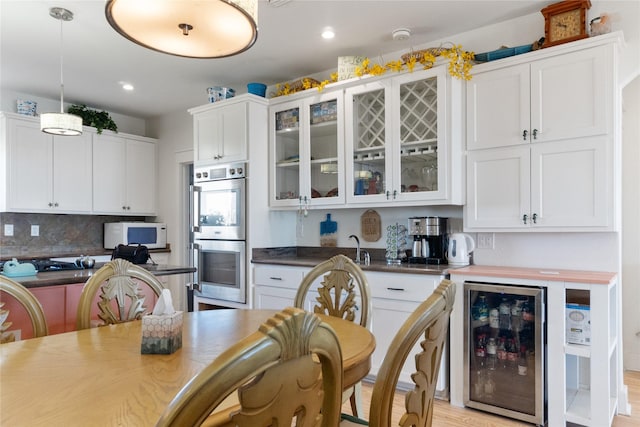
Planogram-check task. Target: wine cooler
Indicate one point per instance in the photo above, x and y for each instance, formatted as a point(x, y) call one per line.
point(504, 350)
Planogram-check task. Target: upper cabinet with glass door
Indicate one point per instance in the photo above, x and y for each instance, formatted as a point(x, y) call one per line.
point(403, 139)
point(307, 151)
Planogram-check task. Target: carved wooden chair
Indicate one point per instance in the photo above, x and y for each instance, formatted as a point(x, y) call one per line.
point(120, 299)
point(30, 303)
point(428, 322)
point(287, 373)
point(337, 297)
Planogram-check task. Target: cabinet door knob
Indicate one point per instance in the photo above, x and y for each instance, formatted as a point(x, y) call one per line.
point(55, 204)
point(395, 193)
point(535, 134)
point(524, 218)
point(524, 135)
point(534, 218)
point(387, 193)
point(50, 204)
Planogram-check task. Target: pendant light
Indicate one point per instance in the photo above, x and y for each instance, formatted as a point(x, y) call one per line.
point(188, 28)
point(61, 123)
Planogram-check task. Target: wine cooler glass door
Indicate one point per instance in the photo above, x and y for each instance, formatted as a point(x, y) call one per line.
point(504, 350)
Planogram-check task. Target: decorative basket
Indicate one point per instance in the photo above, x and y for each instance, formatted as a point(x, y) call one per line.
point(420, 54)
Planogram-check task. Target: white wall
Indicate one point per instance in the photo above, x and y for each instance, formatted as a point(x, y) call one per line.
point(631, 223)
point(175, 150)
point(126, 124)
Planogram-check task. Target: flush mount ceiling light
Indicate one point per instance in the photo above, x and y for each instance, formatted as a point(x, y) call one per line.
point(61, 123)
point(188, 28)
point(401, 34)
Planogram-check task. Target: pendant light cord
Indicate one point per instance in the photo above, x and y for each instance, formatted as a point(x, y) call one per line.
point(61, 68)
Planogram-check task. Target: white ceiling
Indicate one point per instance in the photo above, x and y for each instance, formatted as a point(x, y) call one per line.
point(96, 58)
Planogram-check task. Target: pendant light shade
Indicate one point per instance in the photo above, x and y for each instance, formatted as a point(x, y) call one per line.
point(61, 123)
point(189, 28)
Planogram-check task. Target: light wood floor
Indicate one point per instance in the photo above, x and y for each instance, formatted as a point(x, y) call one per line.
point(446, 415)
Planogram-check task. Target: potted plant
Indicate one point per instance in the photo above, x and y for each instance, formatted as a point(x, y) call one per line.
point(90, 117)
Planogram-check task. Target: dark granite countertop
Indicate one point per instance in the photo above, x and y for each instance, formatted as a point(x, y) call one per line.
point(66, 277)
point(312, 256)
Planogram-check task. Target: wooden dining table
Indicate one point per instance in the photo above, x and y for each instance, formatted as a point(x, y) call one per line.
point(98, 376)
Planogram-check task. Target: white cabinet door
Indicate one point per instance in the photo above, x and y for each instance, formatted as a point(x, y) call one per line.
point(220, 134)
point(72, 173)
point(498, 188)
point(498, 104)
point(571, 183)
point(307, 151)
point(47, 173)
point(109, 174)
point(403, 140)
point(572, 95)
point(394, 297)
point(29, 167)
point(124, 175)
point(141, 177)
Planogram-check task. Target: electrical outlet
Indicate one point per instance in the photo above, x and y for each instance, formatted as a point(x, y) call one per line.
point(485, 240)
point(35, 230)
point(8, 229)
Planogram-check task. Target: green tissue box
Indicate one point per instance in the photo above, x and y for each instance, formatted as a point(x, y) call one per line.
point(161, 334)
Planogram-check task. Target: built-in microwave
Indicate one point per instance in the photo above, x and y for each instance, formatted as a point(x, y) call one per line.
point(150, 234)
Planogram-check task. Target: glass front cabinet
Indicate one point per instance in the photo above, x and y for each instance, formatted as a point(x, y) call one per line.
point(394, 139)
point(307, 151)
point(403, 139)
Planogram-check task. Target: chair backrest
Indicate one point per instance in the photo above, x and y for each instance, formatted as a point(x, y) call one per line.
point(118, 280)
point(290, 369)
point(337, 296)
point(429, 321)
point(30, 303)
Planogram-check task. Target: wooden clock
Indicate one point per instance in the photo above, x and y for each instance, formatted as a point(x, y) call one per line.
point(565, 21)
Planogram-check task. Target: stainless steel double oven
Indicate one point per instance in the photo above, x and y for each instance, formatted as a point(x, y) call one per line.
point(219, 232)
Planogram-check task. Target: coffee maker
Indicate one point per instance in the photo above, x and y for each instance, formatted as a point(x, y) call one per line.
point(429, 244)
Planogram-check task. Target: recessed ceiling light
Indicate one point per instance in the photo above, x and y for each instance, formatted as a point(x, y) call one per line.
point(328, 33)
point(127, 86)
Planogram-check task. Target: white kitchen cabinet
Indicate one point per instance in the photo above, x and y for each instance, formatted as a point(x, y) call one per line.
point(583, 380)
point(561, 97)
point(307, 148)
point(404, 140)
point(554, 185)
point(394, 297)
point(275, 286)
point(125, 174)
point(540, 143)
point(221, 130)
point(45, 173)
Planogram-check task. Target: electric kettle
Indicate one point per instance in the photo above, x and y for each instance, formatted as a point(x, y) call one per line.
point(460, 246)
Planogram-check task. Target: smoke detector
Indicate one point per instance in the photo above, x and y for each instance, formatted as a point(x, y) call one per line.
point(401, 34)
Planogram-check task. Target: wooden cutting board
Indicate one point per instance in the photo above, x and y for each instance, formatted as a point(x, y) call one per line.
point(370, 227)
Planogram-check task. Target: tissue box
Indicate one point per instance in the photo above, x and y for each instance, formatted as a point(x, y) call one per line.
point(578, 324)
point(161, 334)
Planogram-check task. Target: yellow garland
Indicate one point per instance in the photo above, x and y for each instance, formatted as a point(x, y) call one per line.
point(459, 67)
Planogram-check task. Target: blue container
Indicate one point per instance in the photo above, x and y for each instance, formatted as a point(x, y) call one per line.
point(257, 89)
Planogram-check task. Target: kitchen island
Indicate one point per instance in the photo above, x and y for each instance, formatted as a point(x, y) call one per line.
point(59, 293)
point(52, 278)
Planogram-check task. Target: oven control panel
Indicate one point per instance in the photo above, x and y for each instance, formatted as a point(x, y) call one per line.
point(217, 172)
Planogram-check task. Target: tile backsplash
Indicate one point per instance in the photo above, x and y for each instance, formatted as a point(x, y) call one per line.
point(59, 235)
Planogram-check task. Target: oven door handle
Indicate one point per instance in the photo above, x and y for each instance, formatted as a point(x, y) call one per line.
point(195, 202)
point(196, 263)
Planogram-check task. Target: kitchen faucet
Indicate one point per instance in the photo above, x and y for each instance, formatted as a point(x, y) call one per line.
point(353, 236)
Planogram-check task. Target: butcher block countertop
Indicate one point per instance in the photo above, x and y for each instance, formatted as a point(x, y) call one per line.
point(66, 277)
point(548, 274)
